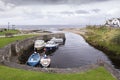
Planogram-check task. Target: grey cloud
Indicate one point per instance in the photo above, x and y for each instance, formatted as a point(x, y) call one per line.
point(67, 12)
point(36, 14)
point(35, 2)
point(82, 12)
point(1, 9)
point(96, 10)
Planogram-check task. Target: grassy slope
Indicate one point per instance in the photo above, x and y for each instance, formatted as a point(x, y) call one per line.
point(9, 31)
point(7, 73)
point(4, 41)
point(108, 38)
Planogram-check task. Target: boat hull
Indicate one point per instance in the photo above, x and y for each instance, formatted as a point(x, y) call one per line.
point(39, 44)
point(51, 48)
point(45, 62)
point(39, 48)
point(32, 63)
point(34, 59)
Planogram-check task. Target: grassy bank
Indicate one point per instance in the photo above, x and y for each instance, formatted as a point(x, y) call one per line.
point(105, 38)
point(9, 31)
point(7, 40)
point(7, 73)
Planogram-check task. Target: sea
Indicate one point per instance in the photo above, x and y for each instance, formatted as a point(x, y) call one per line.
point(39, 27)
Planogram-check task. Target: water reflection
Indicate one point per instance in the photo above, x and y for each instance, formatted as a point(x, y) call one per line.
point(75, 53)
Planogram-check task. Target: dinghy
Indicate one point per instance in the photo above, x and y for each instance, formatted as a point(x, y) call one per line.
point(45, 61)
point(34, 59)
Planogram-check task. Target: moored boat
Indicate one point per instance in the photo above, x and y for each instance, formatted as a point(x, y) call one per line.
point(34, 59)
point(39, 44)
point(57, 40)
point(51, 45)
point(45, 61)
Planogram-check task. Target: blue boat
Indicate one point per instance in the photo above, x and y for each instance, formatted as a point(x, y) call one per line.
point(34, 59)
point(51, 45)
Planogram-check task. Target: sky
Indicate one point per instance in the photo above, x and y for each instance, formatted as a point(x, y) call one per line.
point(58, 12)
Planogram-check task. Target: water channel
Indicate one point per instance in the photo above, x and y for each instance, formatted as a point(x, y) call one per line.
point(75, 53)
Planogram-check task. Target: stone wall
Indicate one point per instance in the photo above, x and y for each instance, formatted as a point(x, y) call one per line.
point(115, 73)
point(19, 47)
point(110, 68)
point(5, 53)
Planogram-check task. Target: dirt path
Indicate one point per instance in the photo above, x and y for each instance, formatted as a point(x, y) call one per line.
point(76, 30)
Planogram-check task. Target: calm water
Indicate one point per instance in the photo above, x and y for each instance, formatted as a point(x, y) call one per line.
point(75, 53)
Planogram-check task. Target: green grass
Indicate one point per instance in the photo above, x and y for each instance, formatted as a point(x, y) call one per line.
point(7, 40)
point(106, 37)
point(9, 31)
point(7, 73)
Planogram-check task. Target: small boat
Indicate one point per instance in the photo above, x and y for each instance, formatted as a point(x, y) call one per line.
point(45, 61)
point(39, 44)
point(34, 59)
point(51, 45)
point(57, 40)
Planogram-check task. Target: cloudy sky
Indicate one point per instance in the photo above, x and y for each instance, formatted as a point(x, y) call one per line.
point(54, 12)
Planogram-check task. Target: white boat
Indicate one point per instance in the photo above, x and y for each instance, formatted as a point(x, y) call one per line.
point(51, 45)
point(45, 61)
point(39, 44)
point(57, 40)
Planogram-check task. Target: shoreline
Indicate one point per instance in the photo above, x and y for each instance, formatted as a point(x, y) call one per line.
point(111, 54)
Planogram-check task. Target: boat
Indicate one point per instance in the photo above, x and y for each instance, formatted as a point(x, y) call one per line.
point(34, 59)
point(51, 45)
point(45, 61)
point(39, 44)
point(57, 40)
